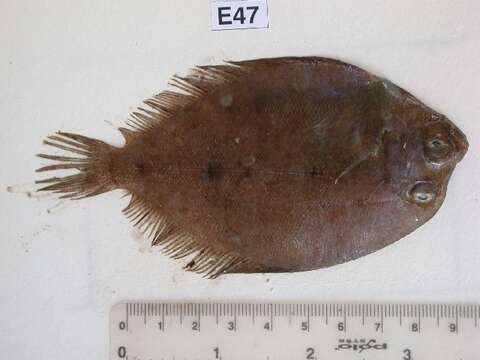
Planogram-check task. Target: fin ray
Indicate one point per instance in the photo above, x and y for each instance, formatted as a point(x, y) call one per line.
point(177, 244)
point(201, 81)
point(92, 179)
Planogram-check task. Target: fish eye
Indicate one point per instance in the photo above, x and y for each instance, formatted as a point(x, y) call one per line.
point(423, 192)
point(437, 150)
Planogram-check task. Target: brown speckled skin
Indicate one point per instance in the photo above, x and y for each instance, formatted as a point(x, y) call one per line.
point(271, 165)
point(300, 164)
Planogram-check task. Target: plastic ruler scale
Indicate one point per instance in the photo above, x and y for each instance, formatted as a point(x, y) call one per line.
point(290, 331)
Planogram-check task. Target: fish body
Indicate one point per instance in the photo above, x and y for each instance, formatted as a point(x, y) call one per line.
point(272, 165)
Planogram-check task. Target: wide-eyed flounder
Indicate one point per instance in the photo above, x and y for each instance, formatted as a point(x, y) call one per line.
point(271, 165)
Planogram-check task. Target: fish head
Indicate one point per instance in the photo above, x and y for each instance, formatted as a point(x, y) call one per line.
point(423, 150)
point(444, 144)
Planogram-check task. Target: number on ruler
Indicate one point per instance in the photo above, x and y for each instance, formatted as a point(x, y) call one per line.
point(122, 352)
point(452, 327)
point(310, 354)
point(407, 354)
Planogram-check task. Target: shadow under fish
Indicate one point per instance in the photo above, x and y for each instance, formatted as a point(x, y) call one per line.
point(271, 165)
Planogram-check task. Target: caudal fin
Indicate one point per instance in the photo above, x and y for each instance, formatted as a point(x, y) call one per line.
point(92, 163)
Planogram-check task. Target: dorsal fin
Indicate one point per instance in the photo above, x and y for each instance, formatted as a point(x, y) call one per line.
point(207, 260)
point(201, 81)
point(127, 134)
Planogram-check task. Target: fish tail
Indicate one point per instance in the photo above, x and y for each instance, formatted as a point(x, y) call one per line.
point(90, 157)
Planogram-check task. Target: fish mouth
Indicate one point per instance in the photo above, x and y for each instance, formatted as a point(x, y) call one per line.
point(461, 143)
point(459, 140)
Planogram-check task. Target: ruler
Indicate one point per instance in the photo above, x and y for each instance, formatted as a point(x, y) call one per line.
point(279, 331)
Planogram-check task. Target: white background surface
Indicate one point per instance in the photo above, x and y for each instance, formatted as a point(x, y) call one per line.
point(82, 65)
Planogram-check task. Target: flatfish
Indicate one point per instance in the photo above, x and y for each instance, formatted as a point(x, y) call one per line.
point(270, 165)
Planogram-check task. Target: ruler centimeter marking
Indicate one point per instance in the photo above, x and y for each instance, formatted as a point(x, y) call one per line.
point(276, 331)
point(419, 311)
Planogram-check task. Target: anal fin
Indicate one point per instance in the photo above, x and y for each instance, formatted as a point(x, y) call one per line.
point(177, 244)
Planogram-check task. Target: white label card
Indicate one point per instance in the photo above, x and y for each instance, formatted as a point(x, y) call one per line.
point(239, 14)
